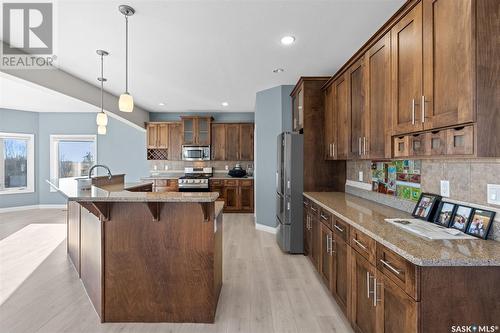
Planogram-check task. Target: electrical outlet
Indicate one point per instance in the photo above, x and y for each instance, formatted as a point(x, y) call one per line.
point(227, 167)
point(445, 188)
point(166, 167)
point(360, 176)
point(493, 193)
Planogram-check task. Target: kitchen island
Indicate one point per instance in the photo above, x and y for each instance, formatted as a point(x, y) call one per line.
point(146, 256)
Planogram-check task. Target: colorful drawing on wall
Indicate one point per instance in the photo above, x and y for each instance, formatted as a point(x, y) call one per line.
point(397, 178)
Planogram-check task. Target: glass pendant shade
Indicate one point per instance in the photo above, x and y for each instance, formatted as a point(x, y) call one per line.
point(102, 119)
point(101, 130)
point(126, 103)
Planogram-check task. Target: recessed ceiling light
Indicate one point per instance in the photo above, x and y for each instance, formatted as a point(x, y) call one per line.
point(287, 40)
point(161, 104)
point(278, 70)
point(224, 104)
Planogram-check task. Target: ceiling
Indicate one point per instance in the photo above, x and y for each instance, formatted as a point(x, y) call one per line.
point(194, 55)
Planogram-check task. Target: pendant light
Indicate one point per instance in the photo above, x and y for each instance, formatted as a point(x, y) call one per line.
point(126, 102)
point(102, 118)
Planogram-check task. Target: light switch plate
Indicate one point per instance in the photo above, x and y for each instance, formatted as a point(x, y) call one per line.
point(445, 188)
point(493, 193)
point(360, 176)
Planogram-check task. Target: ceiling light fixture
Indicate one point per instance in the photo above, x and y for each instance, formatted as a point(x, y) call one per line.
point(278, 70)
point(102, 118)
point(224, 104)
point(126, 102)
point(287, 40)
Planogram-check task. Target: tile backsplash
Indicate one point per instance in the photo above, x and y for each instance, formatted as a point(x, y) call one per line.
point(468, 179)
point(174, 166)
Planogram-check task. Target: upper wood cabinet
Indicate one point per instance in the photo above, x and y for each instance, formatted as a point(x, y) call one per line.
point(232, 142)
point(298, 111)
point(330, 124)
point(196, 130)
point(377, 127)
point(341, 108)
point(157, 135)
point(406, 40)
point(175, 141)
point(449, 53)
point(357, 110)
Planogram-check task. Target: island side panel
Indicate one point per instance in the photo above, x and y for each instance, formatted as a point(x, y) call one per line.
point(218, 244)
point(73, 234)
point(159, 271)
point(91, 258)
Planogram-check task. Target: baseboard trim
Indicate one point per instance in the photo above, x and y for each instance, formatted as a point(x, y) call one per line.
point(266, 228)
point(21, 208)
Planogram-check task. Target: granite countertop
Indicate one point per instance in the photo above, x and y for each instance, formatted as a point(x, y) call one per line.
point(178, 175)
point(368, 217)
point(118, 192)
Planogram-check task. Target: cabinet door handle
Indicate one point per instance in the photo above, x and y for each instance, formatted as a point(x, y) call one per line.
point(364, 145)
point(374, 291)
point(368, 292)
point(327, 244)
point(306, 203)
point(359, 146)
point(333, 149)
point(332, 241)
point(324, 217)
point(358, 243)
point(314, 209)
point(338, 228)
point(413, 111)
point(423, 108)
point(392, 268)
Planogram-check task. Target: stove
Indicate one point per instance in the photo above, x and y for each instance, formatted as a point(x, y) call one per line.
point(195, 180)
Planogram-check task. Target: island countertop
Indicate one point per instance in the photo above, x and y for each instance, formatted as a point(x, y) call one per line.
point(368, 217)
point(124, 193)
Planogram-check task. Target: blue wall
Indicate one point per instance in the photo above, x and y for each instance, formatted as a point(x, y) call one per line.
point(12, 121)
point(220, 117)
point(272, 116)
point(122, 148)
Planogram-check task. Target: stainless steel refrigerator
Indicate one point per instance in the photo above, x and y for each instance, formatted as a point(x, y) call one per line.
point(289, 188)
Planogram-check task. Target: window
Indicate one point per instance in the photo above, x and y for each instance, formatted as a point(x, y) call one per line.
point(17, 167)
point(71, 156)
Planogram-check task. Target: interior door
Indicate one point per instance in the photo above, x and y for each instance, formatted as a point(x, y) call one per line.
point(406, 48)
point(449, 51)
point(343, 116)
point(357, 109)
point(378, 90)
point(363, 311)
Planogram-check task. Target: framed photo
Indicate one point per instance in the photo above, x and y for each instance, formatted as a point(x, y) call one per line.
point(461, 218)
point(444, 213)
point(480, 223)
point(426, 206)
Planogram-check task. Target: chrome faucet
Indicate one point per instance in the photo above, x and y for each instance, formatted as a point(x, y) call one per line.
point(102, 166)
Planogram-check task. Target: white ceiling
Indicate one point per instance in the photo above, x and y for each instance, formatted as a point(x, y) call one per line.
point(193, 55)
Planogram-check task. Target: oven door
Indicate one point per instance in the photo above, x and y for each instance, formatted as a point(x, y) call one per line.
point(195, 153)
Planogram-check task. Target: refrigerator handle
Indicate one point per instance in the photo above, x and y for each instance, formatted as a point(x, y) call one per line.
point(277, 176)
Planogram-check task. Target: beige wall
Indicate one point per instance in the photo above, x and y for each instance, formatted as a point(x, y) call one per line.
point(467, 177)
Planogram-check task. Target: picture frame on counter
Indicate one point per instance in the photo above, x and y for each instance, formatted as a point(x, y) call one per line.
point(444, 213)
point(480, 223)
point(426, 206)
point(462, 217)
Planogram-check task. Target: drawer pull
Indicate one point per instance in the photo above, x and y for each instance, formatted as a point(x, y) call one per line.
point(324, 217)
point(338, 228)
point(358, 243)
point(306, 203)
point(388, 265)
point(314, 209)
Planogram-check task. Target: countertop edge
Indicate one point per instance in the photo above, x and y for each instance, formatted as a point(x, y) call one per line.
point(403, 253)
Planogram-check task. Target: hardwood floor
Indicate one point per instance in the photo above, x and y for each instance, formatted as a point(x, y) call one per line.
point(264, 290)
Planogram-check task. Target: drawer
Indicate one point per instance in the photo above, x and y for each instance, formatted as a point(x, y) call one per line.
point(314, 209)
point(364, 245)
point(246, 182)
point(419, 144)
point(460, 141)
point(437, 142)
point(397, 269)
point(231, 182)
point(161, 182)
point(325, 217)
point(401, 146)
point(216, 182)
point(340, 228)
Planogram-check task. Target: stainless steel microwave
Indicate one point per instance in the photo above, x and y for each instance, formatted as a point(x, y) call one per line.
point(195, 153)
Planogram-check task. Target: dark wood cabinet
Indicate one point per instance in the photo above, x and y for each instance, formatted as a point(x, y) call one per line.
point(218, 145)
point(341, 108)
point(326, 253)
point(196, 130)
point(449, 50)
point(238, 194)
point(231, 197)
point(363, 310)
point(246, 142)
point(307, 228)
point(232, 142)
point(174, 141)
point(406, 40)
point(377, 128)
point(246, 198)
point(315, 236)
point(331, 126)
point(340, 281)
point(298, 110)
point(357, 110)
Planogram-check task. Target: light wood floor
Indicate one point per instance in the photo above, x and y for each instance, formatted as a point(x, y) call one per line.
point(264, 290)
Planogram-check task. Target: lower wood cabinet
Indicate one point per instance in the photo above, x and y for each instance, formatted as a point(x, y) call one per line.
point(340, 279)
point(238, 194)
point(307, 228)
point(326, 253)
point(363, 310)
